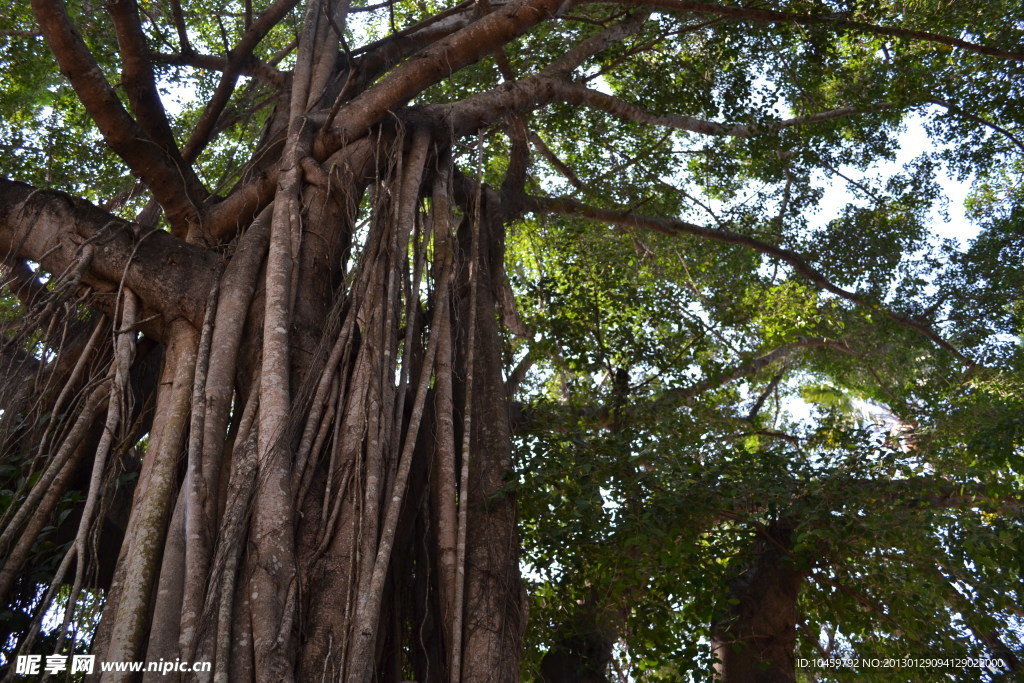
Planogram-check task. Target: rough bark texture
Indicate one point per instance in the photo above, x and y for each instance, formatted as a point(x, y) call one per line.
point(756, 639)
point(494, 606)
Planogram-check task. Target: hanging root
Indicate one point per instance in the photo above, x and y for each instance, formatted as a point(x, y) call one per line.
point(307, 467)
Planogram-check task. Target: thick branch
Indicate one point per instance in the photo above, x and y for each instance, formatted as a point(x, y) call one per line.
point(137, 75)
point(172, 184)
point(444, 57)
point(798, 263)
point(241, 207)
point(524, 95)
point(481, 110)
point(267, 19)
point(402, 43)
point(51, 228)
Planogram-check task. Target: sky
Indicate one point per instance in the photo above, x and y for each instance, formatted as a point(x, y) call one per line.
point(914, 142)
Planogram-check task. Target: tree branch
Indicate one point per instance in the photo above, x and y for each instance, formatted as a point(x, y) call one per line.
point(137, 75)
point(251, 67)
point(180, 27)
point(773, 17)
point(173, 185)
point(437, 61)
point(586, 49)
point(575, 93)
point(555, 162)
point(422, 33)
point(20, 33)
point(518, 164)
point(239, 57)
point(527, 94)
point(51, 228)
point(666, 226)
point(957, 111)
point(22, 282)
point(241, 206)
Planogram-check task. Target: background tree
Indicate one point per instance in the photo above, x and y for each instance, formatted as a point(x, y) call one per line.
point(290, 289)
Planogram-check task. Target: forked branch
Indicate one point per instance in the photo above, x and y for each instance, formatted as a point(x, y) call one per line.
point(173, 183)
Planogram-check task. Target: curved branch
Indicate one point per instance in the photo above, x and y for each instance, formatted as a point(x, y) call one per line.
point(667, 226)
point(957, 111)
point(173, 184)
point(437, 61)
point(241, 206)
point(837, 20)
point(586, 49)
point(51, 228)
point(525, 95)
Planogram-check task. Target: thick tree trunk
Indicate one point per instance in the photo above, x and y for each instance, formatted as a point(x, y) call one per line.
point(582, 651)
point(393, 342)
point(495, 609)
point(324, 493)
point(754, 641)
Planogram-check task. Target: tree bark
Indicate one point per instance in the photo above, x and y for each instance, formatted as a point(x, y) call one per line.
point(755, 639)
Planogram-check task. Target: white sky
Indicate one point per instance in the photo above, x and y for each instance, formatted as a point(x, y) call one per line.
point(914, 142)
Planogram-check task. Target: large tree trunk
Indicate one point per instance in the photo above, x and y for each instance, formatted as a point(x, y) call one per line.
point(755, 640)
point(322, 494)
point(323, 487)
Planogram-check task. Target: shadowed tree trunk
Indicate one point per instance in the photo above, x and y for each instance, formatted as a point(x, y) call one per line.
point(755, 640)
point(331, 433)
point(582, 652)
